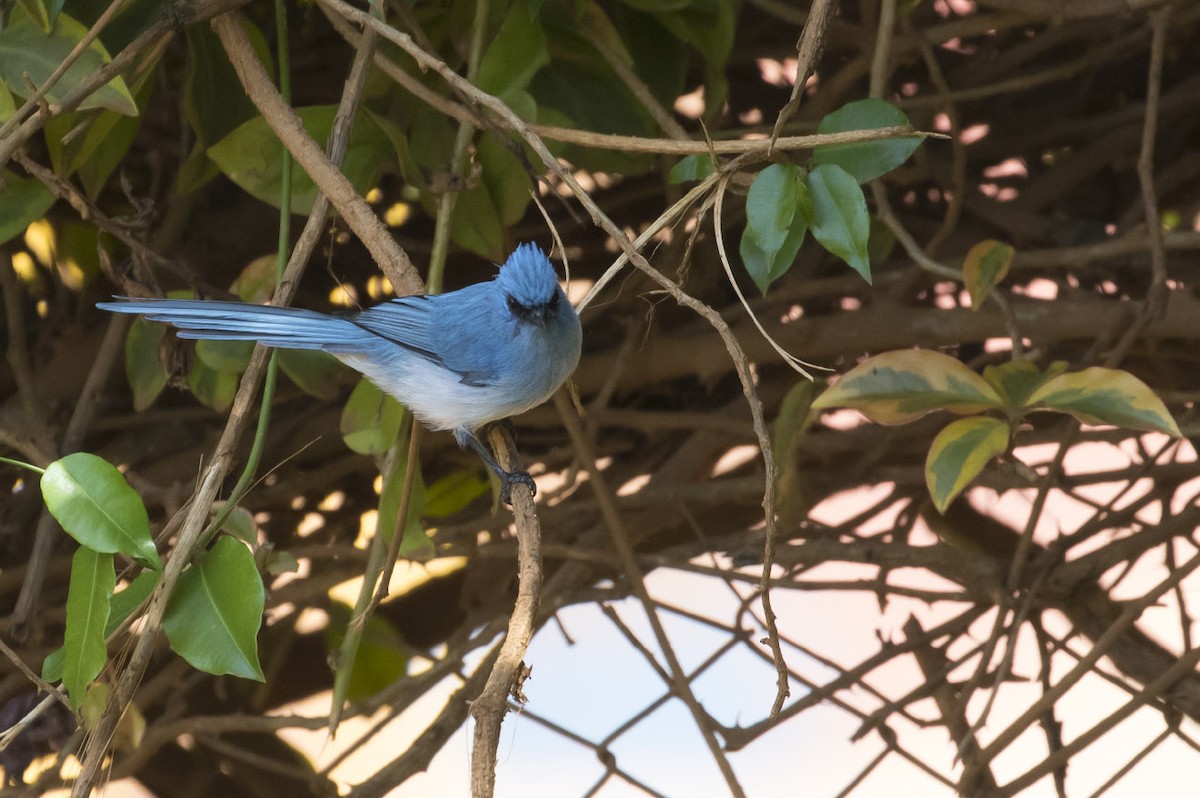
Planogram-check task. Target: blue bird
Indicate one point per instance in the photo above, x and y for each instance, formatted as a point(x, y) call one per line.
point(458, 360)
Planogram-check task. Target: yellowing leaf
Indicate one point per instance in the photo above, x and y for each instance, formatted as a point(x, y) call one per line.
point(959, 453)
point(898, 387)
point(1106, 396)
point(985, 266)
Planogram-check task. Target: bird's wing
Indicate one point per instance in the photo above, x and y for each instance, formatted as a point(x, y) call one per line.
point(433, 327)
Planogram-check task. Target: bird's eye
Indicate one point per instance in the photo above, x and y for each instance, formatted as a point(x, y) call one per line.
point(553, 303)
point(516, 307)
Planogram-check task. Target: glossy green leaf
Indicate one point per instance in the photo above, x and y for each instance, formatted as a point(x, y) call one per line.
point(25, 200)
point(214, 614)
point(318, 374)
point(517, 52)
point(1017, 379)
point(840, 220)
point(231, 356)
point(213, 388)
point(984, 267)
point(95, 505)
point(454, 492)
point(381, 658)
point(959, 453)
point(249, 156)
point(26, 49)
point(84, 649)
point(778, 206)
point(1106, 396)
point(371, 419)
point(869, 159)
point(143, 368)
point(898, 387)
point(691, 167)
point(120, 606)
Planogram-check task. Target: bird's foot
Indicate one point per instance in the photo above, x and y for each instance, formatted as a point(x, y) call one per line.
point(510, 478)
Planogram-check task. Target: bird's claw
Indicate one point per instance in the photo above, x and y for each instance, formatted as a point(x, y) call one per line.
point(510, 478)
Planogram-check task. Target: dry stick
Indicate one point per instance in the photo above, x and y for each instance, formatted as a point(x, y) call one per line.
point(1184, 665)
point(240, 414)
point(177, 16)
point(1155, 303)
point(492, 704)
point(637, 87)
point(280, 117)
point(1133, 610)
point(732, 345)
point(419, 754)
point(629, 564)
point(934, 666)
point(808, 50)
point(64, 190)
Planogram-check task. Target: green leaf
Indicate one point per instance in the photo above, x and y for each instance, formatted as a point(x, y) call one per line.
point(25, 200)
point(1106, 396)
point(27, 49)
point(95, 505)
point(691, 167)
point(476, 225)
point(517, 52)
point(120, 606)
point(659, 58)
point(984, 267)
point(415, 543)
point(709, 27)
point(789, 430)
point(85, 652)
point(589, 96)
point(1017, 379)
point(959, 453)
point(214, 614)
point(505, 177)
point(213, 388)
point(454, 492)
point(381, 658)
point(143, 368)
point(239, 523)
point(231, 356)
point(123, 604)
point(318, 374)
point(214, 103)
point(255, 283)
point(778, 206)
point(371, 419)
point(869, 159)
point(840, 220)
point(249, 156)
point(898, 387)
point(8, 106)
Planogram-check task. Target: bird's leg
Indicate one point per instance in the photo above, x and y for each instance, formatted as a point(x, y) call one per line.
point(466, 437)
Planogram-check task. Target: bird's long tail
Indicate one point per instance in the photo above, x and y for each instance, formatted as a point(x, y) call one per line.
point(287, 328)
